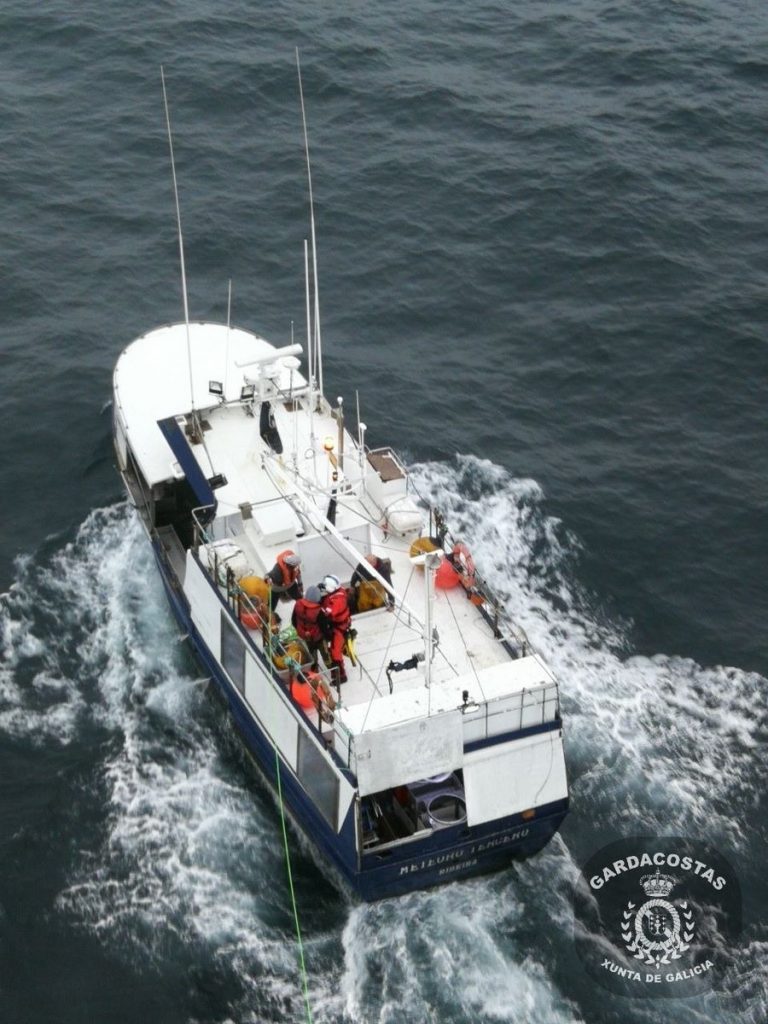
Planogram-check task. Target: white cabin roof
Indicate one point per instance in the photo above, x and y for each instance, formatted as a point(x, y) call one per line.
point(151, 382)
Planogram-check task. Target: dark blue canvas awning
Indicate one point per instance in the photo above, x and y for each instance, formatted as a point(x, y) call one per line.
point(185, 457)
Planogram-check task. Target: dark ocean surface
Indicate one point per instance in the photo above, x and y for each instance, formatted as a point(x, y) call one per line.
point(544, 264)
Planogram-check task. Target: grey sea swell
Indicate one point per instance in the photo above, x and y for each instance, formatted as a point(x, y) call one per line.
point(541, 243)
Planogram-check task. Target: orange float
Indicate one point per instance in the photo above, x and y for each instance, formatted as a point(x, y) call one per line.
point(253, 613)
point(302, 693)
point(446, 577)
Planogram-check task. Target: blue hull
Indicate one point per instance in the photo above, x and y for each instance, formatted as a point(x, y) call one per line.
point(443, 856)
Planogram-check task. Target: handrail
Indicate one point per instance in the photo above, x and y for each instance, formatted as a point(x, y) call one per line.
point(504, 629)
point(325, 526)
point(237, 597)
point(482, 587)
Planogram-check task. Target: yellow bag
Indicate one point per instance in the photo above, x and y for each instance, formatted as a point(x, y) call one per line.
point(420, 546)
point(254, 586)
point(370, 594)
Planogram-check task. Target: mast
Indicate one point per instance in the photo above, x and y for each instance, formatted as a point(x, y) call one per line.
point(229, 327)
point(432, 560)
point(310, 364)
point(318, 337)
point(181, 240)
point(310, 344)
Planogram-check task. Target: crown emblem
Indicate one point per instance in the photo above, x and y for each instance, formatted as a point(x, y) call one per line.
point(658, 884)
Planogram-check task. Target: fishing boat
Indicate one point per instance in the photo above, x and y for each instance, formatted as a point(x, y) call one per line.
point(413, 735)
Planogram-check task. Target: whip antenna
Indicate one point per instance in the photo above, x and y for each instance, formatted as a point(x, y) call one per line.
point(181, 241)
point(310, 345)
point(318, 342)
point(229, 324)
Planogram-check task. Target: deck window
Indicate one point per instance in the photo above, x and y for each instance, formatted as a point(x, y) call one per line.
point(318, 778)
point(232, 653)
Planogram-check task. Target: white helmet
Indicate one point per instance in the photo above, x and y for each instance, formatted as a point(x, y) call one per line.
point(330, 583)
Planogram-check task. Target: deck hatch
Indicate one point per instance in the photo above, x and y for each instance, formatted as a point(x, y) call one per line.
point(407, 751)
point(514, 776)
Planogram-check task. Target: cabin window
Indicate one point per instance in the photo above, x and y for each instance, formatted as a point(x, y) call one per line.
point(318, 778)
point(232, 653)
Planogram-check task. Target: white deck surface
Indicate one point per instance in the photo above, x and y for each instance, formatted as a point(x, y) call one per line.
point(152, 382)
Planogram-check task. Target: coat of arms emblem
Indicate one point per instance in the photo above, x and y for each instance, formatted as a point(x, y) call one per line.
point(659, 931)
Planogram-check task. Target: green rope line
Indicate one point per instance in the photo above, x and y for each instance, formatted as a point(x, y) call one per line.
point(302, 962)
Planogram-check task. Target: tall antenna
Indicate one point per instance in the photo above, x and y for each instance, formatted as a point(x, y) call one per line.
point(318, 342)
point(310, 345)
point(229, 324)
point(310, 362)
point(181, 241)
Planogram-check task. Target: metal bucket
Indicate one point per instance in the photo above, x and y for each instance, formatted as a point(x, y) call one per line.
point(446, 807)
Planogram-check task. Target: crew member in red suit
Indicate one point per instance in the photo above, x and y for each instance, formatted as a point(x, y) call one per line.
point(335, 606)
point(309, 621)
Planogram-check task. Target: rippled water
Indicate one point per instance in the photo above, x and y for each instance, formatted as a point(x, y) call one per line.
point(543, 266)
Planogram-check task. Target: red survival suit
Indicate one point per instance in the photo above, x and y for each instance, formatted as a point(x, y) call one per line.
point(309, 621)
point(338, 618)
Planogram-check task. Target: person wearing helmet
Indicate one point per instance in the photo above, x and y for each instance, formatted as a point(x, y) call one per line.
point(284, 580)
point(335, 607)
point(309, 621)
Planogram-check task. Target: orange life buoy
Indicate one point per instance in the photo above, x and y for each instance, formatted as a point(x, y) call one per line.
point(323, 695)
point(464, 565)
point(322, 698)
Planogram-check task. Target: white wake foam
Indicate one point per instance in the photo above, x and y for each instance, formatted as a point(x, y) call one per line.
point(54, 626)
point(459, 953)
point(189, 863)
point(656, 743)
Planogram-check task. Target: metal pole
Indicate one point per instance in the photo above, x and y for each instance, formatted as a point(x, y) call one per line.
point(431, 562)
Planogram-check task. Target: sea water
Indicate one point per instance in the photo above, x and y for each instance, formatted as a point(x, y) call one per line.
point(543, 268)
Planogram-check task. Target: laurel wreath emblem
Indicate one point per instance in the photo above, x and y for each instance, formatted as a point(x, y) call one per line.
point(674, 944)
